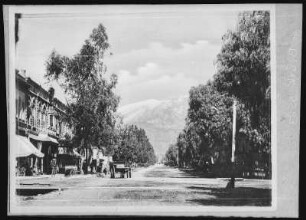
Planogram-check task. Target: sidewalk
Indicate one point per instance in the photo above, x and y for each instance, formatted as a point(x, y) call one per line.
point(20, 178)
point(56, 178)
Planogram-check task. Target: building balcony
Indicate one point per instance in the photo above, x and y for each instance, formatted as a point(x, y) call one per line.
point(21, 123)
point(28, 129)
point(53, 132)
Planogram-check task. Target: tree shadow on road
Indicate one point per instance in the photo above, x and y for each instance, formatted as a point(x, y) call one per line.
point(180, 173)
point(239, 196)
point(193, 173)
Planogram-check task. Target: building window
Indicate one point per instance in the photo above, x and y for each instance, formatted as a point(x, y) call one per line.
point(60, 127)
point(33, 116)
point(51, 120)
point(38, 119)
point(31, 120)
point(45, 120)
point(38, 123)
point(18, 105)
point(56, 124)
point(42, 120)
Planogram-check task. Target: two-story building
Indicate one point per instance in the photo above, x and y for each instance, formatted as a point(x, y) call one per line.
point(38, 122)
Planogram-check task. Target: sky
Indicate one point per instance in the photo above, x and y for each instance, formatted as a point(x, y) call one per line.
point(158, 52)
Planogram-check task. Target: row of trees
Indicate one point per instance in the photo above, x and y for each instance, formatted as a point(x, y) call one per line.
point(243, 74)
point(92, 103)
point(134, 146)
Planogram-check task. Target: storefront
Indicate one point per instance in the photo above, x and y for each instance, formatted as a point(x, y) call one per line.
point(48, 146)
point(29, 158)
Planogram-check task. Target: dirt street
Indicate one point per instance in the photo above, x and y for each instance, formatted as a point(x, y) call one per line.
point(155, 185)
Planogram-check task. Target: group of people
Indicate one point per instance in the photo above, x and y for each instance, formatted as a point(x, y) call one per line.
point(96, 166)
point(97, 163)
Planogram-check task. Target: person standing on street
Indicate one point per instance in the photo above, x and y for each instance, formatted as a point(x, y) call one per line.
point(53, 166)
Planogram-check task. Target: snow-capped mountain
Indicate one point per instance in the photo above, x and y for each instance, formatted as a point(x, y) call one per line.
point(161, 119)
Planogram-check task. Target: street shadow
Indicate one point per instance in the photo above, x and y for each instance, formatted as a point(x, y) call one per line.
point(239, 196)
point(183, 173)
point(192, 173)
point(33, 192)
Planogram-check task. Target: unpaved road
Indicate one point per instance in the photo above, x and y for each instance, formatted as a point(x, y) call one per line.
point(155, 185)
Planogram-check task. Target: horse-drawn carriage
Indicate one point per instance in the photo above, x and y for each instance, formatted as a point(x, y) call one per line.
point(120, 167)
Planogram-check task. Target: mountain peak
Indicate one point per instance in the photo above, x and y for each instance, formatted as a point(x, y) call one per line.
point(161, 119)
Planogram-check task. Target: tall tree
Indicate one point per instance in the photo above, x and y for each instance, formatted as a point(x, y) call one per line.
point(244, 72)
point(171, 156)
point(210, 121)
point(92, 102)
point(244, 63)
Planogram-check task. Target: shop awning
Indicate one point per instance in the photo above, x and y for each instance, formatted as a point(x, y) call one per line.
point(25, 148)
point(44, 138)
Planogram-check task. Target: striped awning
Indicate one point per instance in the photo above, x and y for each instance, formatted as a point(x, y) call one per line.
point(25, 148)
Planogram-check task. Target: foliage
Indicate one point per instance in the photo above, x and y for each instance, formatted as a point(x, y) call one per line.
point(134, 146)
point(244, 63)
point(171, 156)
point(243, 74)
point(92, 100)
point(209, 126)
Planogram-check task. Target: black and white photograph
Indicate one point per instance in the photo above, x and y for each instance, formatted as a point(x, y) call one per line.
point(145, 109)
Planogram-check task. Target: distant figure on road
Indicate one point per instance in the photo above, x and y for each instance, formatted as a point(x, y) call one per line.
point(53, 166)
point(93, 166)
point(84, 167)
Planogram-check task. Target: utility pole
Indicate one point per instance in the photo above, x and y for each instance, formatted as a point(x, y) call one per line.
point(234, 132)
point(231, 183)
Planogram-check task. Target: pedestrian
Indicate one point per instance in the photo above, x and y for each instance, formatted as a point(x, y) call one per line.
point(84, 167)
point(53, 166)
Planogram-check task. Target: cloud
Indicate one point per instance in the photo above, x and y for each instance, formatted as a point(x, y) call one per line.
point(164, 87)
point(161, 72)
point(167, 47)
point(195, 59)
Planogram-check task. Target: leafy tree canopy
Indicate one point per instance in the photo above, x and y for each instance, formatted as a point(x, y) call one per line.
point(134, 146)
point(244, 62)
point(243, 74)
point(92, 99)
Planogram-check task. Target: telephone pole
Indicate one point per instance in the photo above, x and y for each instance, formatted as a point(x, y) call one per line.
point(234, 132)
point(231, 183)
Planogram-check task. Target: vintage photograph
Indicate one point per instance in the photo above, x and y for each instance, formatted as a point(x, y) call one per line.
point(141, 106)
